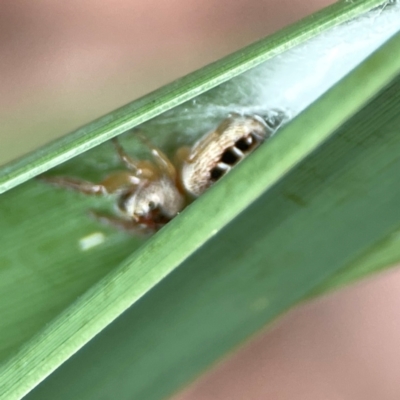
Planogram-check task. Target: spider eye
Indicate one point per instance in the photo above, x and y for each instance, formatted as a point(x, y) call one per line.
point(152, 205)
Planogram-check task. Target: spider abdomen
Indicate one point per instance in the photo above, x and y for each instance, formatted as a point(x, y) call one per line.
point(217, 152)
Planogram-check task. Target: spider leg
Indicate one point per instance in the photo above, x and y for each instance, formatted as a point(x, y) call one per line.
point(113, 183)
point(129, 162)
point(142, 168)
point(120, 180)
point(182, 155)
point(78, 185)
point(129, 226)
point(161, 159)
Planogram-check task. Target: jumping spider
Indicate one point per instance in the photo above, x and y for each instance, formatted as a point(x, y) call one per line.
point(150, 193)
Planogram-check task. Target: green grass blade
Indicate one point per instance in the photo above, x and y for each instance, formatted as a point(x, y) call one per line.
point(384, 254)
point(159, 256)
point(177, 93)
point(335, 206)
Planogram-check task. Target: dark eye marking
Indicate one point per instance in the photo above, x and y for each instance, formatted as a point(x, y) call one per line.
point(248, 143)
point(216, 173)
point(244, 144)
point(233, 155)
point(152, 205)
point(229, 157)
point(123, 199)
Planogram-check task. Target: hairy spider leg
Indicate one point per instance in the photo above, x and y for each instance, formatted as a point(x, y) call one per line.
point(143, 169)
point(163, 162)
point(182, 155)
point(130, 226)
point(113, 183)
